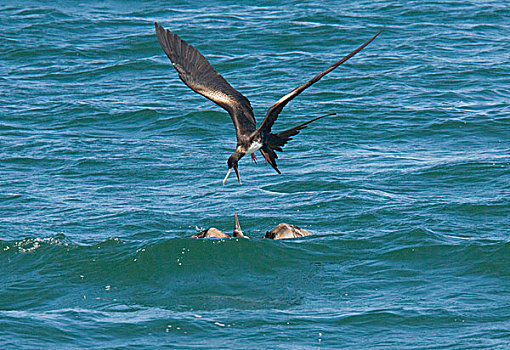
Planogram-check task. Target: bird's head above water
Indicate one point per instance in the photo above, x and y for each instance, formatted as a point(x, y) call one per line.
point(232, 163)
point(237, 228)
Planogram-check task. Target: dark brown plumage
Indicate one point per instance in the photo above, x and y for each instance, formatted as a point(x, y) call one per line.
point(198, 74)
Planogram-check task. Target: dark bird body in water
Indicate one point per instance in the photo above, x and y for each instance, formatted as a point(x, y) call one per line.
point(286, 231)
point(198, 74)
point(215, 233)
point(211, 232)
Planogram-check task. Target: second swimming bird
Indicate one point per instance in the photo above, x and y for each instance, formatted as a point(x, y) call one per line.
point(198, 74)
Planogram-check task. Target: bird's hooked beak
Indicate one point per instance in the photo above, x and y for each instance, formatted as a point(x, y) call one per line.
point(236, 222)
point(228, 173)
point(237, 228)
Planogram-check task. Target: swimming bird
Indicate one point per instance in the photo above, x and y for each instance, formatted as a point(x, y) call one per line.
point(286, 231)
point(199, 75)
point(214, 232)
point(211, 232)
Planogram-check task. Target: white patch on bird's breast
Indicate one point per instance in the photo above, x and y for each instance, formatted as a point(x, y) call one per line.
point(254, 147)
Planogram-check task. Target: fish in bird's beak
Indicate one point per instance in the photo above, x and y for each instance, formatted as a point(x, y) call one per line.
point(228, 174)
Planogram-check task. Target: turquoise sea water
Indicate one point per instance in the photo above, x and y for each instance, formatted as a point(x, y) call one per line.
point(108, 163)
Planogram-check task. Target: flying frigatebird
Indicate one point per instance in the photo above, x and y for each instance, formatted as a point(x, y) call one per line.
point(198, 74)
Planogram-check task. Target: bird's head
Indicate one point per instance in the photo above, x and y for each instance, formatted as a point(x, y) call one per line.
point(232, 163)
point(237, 228)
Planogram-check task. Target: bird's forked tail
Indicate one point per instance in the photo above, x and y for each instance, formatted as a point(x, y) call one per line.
point(275, 142)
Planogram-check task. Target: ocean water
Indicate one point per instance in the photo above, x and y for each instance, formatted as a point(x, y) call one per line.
point(109, 163)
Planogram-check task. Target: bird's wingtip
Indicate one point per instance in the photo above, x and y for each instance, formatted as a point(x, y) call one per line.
point(379, 32)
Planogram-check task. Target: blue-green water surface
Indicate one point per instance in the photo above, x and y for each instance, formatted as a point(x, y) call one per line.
point(109, 163)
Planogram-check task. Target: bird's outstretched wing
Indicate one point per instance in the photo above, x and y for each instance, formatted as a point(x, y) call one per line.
point(275, 109)
point(198, 74)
